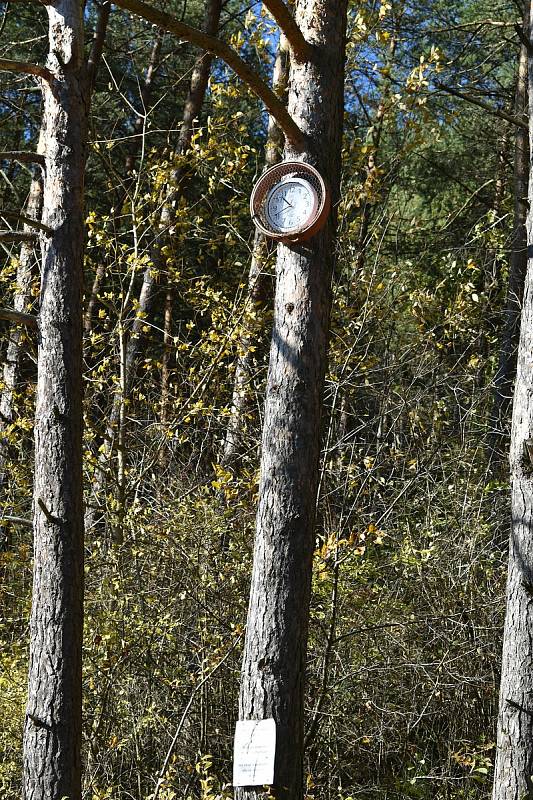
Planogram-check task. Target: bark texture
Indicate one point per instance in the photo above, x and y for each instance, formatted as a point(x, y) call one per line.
point(273, 670)
point(505, 375)
point(52, 733)
point(513, 777)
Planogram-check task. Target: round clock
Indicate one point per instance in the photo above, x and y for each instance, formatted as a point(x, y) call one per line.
point(290, 202)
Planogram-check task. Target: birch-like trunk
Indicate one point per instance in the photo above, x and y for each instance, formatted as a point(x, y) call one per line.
point(52, 732)
point(273, 673)
point(513, 776)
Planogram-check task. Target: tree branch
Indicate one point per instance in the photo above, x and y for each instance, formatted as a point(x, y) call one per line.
point(17, 236)
point(485, 106)
point(301, 49)
point(213, 45)
point(24, 156)
point(28, 69)
point(32, 223)
point(18, 317)
point(17, 521)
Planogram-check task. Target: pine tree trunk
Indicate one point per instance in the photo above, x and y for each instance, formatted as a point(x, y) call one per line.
point(505, 375)
point(273, 672)
point(513, 777)
point(52, 733)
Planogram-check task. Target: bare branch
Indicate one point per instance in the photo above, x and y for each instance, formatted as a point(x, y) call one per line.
point(485, 106)
point(24, 156)
point(17, 236)
point(478, 23)
point(18, 317)
point(301, 49)
point(17, 521)
point(32, 223)
point(28, 69)
point(213, 45)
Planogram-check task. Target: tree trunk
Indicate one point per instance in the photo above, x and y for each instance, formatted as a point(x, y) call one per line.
point(256, 290)
point(503, 381)
point(513, 776)
point(22, 300)
point(273, 671)
point(52, 732)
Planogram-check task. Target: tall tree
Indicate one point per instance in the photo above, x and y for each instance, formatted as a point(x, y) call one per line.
point(273, 672)
point(513, 776)
point(52, 732)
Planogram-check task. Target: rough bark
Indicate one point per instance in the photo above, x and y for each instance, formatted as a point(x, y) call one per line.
point(505, 375)
point(21, 305)
point(256, 290)
point(52, 732)
point(513, 776)
point(273, 670)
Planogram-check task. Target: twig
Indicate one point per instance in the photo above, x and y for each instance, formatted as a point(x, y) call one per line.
point(195, 691)
point(17, 521)
point(485, 106)
point(47, 513)
point(17, 236)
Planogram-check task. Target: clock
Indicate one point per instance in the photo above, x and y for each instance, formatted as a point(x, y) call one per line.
point(290, 202)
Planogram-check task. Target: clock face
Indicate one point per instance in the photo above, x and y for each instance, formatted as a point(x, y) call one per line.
point(291, 205)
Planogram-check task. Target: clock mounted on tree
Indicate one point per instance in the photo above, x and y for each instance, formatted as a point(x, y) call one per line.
point(290, 202)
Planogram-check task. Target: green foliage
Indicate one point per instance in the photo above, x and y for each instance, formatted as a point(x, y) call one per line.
point(409, 572)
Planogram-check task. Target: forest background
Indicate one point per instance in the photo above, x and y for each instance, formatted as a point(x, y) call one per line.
point(410, 563)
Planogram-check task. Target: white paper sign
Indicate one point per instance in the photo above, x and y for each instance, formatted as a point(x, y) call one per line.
point(254, 752)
